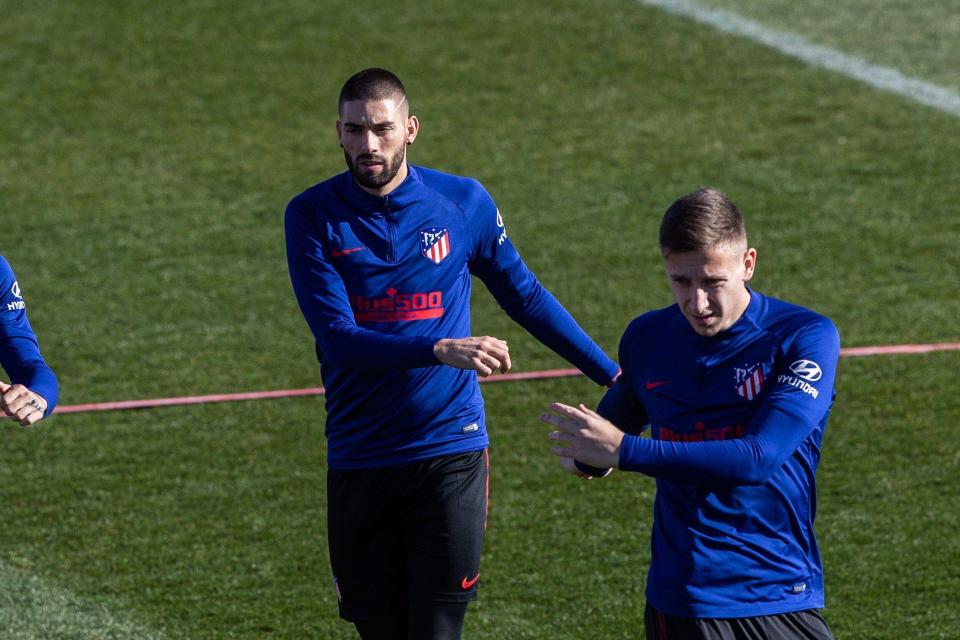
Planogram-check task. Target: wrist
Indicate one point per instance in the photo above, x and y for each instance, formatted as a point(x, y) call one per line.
point(440, 349)
point(615, 463)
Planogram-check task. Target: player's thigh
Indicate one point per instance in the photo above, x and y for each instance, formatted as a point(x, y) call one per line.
point(445, 529)
point(366, 542)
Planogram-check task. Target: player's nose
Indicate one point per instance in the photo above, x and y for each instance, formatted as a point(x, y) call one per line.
point(700, 301)
point(370, 142)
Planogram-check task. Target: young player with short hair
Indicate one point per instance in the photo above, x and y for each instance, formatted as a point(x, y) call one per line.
point(736, 388)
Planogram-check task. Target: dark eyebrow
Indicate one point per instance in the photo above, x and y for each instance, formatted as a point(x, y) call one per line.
point(375, 125)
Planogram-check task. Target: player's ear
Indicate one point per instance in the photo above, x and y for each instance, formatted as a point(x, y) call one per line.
point(413, 128)
point(749, 263)
point(340, 133)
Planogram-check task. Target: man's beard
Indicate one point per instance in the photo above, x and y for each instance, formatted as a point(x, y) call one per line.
point(376, 180)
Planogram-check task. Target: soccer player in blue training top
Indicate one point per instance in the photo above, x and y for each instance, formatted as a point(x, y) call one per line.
point(736, 388)
point(381, 257)
point(32, 392)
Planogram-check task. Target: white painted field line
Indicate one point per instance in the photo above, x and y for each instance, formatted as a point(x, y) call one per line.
point(32, 608)
point(885, 78)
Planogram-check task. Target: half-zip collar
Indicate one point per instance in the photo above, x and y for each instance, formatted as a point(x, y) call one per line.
point(407, 193)
point(719, 348)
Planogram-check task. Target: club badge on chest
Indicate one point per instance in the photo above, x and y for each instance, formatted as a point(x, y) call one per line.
point(435, 243)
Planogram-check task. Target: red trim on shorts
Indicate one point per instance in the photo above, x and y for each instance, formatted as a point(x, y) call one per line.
point(661, 626)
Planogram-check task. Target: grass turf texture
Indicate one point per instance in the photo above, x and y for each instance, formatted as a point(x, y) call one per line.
point(146, 155)
point(918, 38)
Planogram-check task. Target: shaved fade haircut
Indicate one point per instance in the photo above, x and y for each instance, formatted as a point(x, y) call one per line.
point(701, 220)
point(371, 84)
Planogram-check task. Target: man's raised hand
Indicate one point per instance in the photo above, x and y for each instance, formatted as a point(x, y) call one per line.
point(20, 404)
point(584, 435)
point(485, 355)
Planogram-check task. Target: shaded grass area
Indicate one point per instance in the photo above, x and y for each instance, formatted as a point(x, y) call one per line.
point(203, 520)
point(35, 609)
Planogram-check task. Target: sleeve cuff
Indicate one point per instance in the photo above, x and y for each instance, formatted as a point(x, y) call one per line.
point(631, 452)
point(603, 373)
point(429, 357)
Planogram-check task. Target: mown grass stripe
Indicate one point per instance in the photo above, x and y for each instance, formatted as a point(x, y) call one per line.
point(878, 76)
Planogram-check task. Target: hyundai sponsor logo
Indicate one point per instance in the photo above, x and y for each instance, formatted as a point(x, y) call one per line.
point(18, 303)
point(807, 369)
point(806, 387)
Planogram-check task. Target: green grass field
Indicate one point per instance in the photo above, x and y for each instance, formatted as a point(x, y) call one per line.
point(146, 155)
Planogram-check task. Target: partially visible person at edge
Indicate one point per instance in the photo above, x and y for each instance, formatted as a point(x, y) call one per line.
point(736, 388)
point(31, 394)
point(380, 257)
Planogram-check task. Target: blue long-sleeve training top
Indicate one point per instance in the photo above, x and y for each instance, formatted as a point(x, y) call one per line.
point(380, 280)
point(19, 350)
point(736, 422)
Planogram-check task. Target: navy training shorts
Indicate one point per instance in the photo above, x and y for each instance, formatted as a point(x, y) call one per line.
point(407, 536)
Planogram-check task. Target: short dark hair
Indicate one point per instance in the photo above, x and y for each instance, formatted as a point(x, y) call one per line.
point(371, 84)
point(700, 220)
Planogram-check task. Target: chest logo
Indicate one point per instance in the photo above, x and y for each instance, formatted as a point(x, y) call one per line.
point(339, 253)
point(435, 243)
point(749, 381)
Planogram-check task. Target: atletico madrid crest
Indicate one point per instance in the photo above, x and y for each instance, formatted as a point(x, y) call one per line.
point(435, 243)
point(749, 382)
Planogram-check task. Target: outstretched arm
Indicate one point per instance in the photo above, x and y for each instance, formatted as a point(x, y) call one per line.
point(33, 389)
point(496, 262)
point(786, 418)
